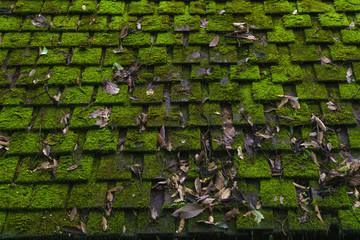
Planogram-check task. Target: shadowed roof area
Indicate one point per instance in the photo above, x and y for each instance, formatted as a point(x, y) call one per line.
point(186, 119)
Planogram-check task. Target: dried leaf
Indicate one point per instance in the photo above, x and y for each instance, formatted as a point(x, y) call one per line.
point(248, 36)
point(240, 153)
point(83, 7)
point(204, 23)
point(40, 21)
point(188, 211)
point(330, 105)
point(118, 188)
point(310, 144)
point(318, 212)
point(124, 32)
point(197, 184)
point(72, 167)
point(154, 213)
point(356, 205)
point(263, 135)
point(319, 123)
point(221, 12)
point(349, 75)
point(104, 224)
point(82, 227)
point(299, 186)
point(215, 41)
point(283, 102)
point(324, 60)
point(295, 12)
point(181, 226)
point(233, 213)
point(313, 156)
point(73, 213)
point(73, 230)
point(110, 88)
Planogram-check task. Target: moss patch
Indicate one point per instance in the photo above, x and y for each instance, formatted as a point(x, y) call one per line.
point(15, 118)
point(104, 140)
point(138, 142)
point(22, 224)
point(80, 174)
point(269, 189)
point(49, 196)
point(90, 195)
point(115, 167)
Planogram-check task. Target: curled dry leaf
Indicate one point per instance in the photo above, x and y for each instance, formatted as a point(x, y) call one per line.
point(356, 205)
point(83, 7)
point(104, 224)
point(215, 41)
point(330, 105)
point(349, 74)
point(73, 213)
point(240, 152)
point(248, 36)
point(221, 12)
point(295, 12)
point(233, 213)
point(104, 114)
point(188, 211)
point(319, 122)
point(40, 21)
point(204, 23)
point(313, 156)
point(72, 167)
point(318, 213)
point(124, 32)
point(110, 88)
point(324, 60)
point(181, 225)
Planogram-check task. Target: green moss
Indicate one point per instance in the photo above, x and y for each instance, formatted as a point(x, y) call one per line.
point(15, 196)
point(186, 92)
point(249, 221)
point(77, 95)
point(166, 73)
point(158, 115)
point(168, 39)
point(164, 225)
point(49, 118)
point(23, 143)
point(220, 23)
point(238, 6)
point(328, 72)
point(15, 40)
point(74, 39)
point(155, 166)
point(190, 54)
point(105, 98)
point(281, 141)
point(297, 21)
point(228, 91)
point(65, 23)
point(238, 140)
point(114, 167)
point(287, 72)
point(349, 91)
point(105, 39)
point(9, 23)
point(223, 54)
point(60, 143)
point(304, 52)
point(28, 6)
point(258, 19)
point(52, 221)
point(344, 115)
point(90, 195)
point(266, 90)
point(187, 139)
point(313, 6)
point(125, 116)
point(144, 96)
point(333, 20)
point(7, 168)
point(269, 189)
point(354, 136)
point(124, 58)
point(186, 23)
point(200, 38)
point(208, 72)
point(54, 56)
point(22, 57)
point(15, 118)
point(55, 7)
point(80, 118)
point(27, 176)
point(313, 35)
point(76, 7)
point(340, 52)
point(22, 224)
point(119, 22)
point(349, 220)
point(309, 90)
point(44, 39)
point(338, 198)
point(92, 23)
point(87, 56)
point(13, 96)
point(64, 75)
point(249, 108)
point(261, 54)
point(111, 7)
point(204, 115)
point(134, 195)
point(300, 116)
point(276, 7)
point(202, 7)
point(49, 196)
point(115, 224)
point(253, 168)
point(244, 73)
point(153, 56)
point(313, 223)
point(299, 166)
point(80, 174)
point(345, 6)
point(171, 7)
point(140, 142)
point(281, 35)
point(350, 36)
point(137, 39)
point(103, 140)
point(142, 7)
point(96, 75)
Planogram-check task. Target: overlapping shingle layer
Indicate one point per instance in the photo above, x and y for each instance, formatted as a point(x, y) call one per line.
point(51, 83)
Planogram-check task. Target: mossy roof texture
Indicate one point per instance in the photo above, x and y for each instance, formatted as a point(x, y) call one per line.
point(185, 85)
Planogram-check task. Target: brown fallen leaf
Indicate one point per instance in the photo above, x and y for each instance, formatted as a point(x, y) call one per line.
point(299, 186)
point(240, 153)
point(197, 184)
point(110, 88)
point(104, 224)
point(319, 123)
point(188, 211)
point(215, 41)
point(181, 225)
point(313, 156)
point(71, 229)
point(233, 213)
point(72, 167)
point(124, 32)
point(73, 213)
point(82, 227)
point(318, 212)
point(324, 60)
